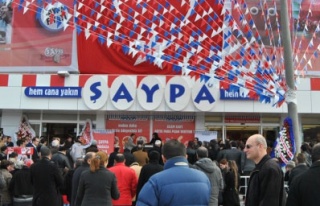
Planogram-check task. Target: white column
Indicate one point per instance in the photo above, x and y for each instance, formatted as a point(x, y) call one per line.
point(101, 120)
point(200, 121)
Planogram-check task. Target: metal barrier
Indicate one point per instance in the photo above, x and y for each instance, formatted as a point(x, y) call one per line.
point(244, 180)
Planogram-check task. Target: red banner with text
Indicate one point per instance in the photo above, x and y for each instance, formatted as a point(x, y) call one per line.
point(179, 127)
point(124, 125)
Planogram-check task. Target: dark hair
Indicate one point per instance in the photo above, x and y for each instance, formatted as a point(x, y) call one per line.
point(99, 160)
point(301, 158)
point(119, 157)
point(13, 155)
point(45, 151)
point(173, 148)
point(234, 144)
point(3, 148)
point(316, 152)
point(34, 139)
point(202, 152)
point(156, 136)
point(154, 155)
point(88, 156)
point(5, 164)
point(305, 148)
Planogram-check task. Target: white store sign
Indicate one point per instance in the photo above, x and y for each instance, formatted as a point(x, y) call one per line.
point(150, 92)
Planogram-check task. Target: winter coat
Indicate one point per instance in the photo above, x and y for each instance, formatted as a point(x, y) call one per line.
point(213, 172)
point(177, 184)
point(266, 184)
point(47, 181)
point(127, 183)
point(304, 190)
point(97, 188)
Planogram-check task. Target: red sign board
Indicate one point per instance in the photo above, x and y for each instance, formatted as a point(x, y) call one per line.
point(105, 141)
point(175, 127)
point(124, 125)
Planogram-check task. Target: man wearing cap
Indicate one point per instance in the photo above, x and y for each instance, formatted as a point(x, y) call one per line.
point(46, 180)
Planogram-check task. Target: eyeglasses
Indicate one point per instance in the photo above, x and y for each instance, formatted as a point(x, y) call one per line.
point(248, 146)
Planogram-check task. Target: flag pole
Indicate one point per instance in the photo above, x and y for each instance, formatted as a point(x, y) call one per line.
point(291, 97)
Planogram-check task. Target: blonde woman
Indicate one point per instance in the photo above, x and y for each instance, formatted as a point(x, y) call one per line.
point(231, 193)
point(98, 186)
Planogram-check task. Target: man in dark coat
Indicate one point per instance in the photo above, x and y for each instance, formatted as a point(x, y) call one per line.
point(77, 174)
point(233, 153)
point(266, 184)
point(46, 180)
point(299, 169)
point(149, 169)
point(304, 190)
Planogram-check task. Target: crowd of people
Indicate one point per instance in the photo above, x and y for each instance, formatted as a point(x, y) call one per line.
point(61, 173)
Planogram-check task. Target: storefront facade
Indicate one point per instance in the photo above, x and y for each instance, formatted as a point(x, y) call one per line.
point(56, 105)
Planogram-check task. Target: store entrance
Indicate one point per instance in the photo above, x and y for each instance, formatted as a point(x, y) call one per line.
point(62, 130)
point(241, 132)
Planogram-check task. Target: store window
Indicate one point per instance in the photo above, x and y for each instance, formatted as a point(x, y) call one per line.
point(310, 128)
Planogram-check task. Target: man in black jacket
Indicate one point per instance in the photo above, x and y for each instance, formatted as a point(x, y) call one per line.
point(77, 173)
point(304, 190)
point(266, 184)
point(46, 180)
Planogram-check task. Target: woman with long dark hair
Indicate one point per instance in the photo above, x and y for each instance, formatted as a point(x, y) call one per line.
point(231, 192)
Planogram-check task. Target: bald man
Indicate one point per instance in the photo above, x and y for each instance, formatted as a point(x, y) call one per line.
point(266, 184)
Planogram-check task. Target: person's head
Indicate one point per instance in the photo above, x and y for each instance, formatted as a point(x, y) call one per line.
point(99, 160)
point(119, 158)
point(234, 144)
point(154, 156)
point(132, 135)
point(305, 148)
point(191, 144)
point(45, 152)
point(36, 141)
point(7, 164)
point(316, 152)
point(13, 155)
point(3, 148)
point(256, 147)
point(43, 141)
point(4, 138)
point(173, 148)
point(9, 139)
point(223, 164)
point(155, 135)
point(290, 165)
point(300, 158)
point(22, 142)
point(202, 152)
point(89, 156)
point(78, 162)
point(55, 143)
point(157, 143)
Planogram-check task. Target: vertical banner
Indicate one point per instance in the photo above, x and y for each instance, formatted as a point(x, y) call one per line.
point(105, 140)
point(179, 127)
point(124, 125)
point(284, 147)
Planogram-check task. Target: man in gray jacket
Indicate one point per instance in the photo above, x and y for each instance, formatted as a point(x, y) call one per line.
point(212, 171)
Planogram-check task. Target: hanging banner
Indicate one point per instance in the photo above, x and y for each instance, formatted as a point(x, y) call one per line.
point(284, 147)
point(179, 127)
point(125, 125)
point(33, 39)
